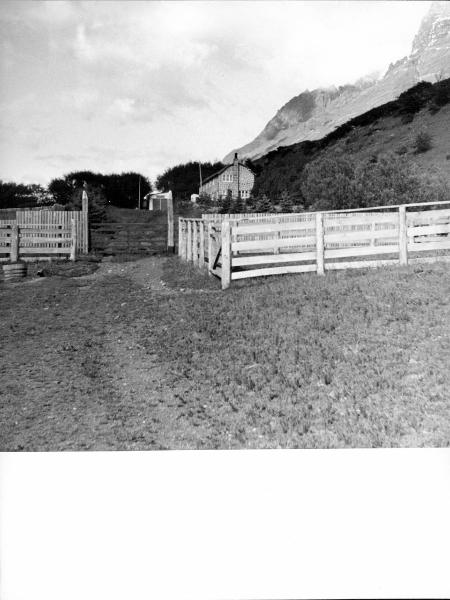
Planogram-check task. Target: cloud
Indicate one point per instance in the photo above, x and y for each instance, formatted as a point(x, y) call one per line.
point(149, 84)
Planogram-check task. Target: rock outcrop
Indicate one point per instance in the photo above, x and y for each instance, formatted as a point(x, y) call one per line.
point(313, 114)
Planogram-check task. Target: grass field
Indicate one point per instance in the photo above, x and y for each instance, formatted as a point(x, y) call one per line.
point(152, 354)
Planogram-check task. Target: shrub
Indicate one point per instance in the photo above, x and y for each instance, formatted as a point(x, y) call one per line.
point(328, 183)
point(442, 93)
point(412, 100)
point(226, 203)
point(264, 204)
point(422, 141)
point(339, 183)
point(204, 200)
point(238, 205)
point(286, 203)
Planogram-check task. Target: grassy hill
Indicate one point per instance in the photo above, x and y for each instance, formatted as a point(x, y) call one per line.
point(394, 126)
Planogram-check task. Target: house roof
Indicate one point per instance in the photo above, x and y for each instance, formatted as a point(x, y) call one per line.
point(217, 173)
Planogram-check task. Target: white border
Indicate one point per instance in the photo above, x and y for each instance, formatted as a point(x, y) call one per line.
point(237, 524)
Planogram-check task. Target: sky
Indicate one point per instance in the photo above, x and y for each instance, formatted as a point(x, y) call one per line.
point(143, 86)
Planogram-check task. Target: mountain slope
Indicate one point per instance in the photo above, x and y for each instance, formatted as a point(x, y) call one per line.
point(313, 114)
point(393, 126)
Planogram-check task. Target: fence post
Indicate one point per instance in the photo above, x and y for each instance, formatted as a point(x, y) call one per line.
point(202, 245)
point(170, 240)
point(226, 254)
point(210, 248)
point(189, 241)
point(73, 244)
point(182, 238)
point(85, 218)
point(14, 248)
point(276, 250)
point(402, 236)
point(185, 240)
point(179, 236)
point(195, 243)
point(373, 230)
point(320, 244)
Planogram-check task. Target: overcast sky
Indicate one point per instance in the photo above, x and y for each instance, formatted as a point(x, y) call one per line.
point(115, 86)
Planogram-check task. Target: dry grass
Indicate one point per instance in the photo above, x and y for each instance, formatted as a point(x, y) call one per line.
point(123, 359)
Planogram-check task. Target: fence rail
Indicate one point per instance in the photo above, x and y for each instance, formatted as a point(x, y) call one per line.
point(48, 220)
point(35, 243)
point(243, 246)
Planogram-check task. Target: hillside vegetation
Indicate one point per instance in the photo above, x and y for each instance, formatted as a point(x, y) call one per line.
point(422, 112)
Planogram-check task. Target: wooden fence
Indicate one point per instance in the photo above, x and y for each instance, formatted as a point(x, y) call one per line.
point(48, 228)
point(37, 243)
point(316, 242)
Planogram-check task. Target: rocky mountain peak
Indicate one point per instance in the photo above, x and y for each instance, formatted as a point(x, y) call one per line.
point(434, 29)
point(313, 114)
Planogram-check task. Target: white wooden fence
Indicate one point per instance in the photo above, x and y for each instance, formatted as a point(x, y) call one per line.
point(37, 243)
point(47, 225)
point(235, 248)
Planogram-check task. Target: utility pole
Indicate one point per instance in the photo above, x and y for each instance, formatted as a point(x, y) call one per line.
point(200, 171)
point(139, 203)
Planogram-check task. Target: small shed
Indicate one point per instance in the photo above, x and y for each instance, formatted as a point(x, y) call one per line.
point(157, 200)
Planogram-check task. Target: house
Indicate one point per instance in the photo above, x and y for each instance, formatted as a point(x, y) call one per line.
point(235, 177)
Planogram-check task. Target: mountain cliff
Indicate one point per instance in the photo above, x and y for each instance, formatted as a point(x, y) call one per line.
point(313, 114)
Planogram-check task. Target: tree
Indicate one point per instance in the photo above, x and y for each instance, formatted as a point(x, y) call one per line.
point(20, 195)
point(286, 203)
point(61, 188)
point(184, 179)
point(328, 183)
point(238, 205)
point(120, 190)
point(264, 204)
point(226, 203)
point(97, 202)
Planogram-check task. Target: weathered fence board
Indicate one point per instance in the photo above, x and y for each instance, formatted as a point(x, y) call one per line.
point(270, 258)
point(273, 271)
point(41, 220)
point(22, 243)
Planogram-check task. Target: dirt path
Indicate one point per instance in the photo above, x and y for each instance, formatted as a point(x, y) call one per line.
point(152, 354)
point(74, 374)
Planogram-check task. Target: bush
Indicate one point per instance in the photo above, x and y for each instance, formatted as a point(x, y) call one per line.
point(264, 205)
point(402, 150)
point(238, 205)
point(328, 183)
point(422, 142)
point(204, 201)
point(226, 203)
point(414, 99)
point(340, 183)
